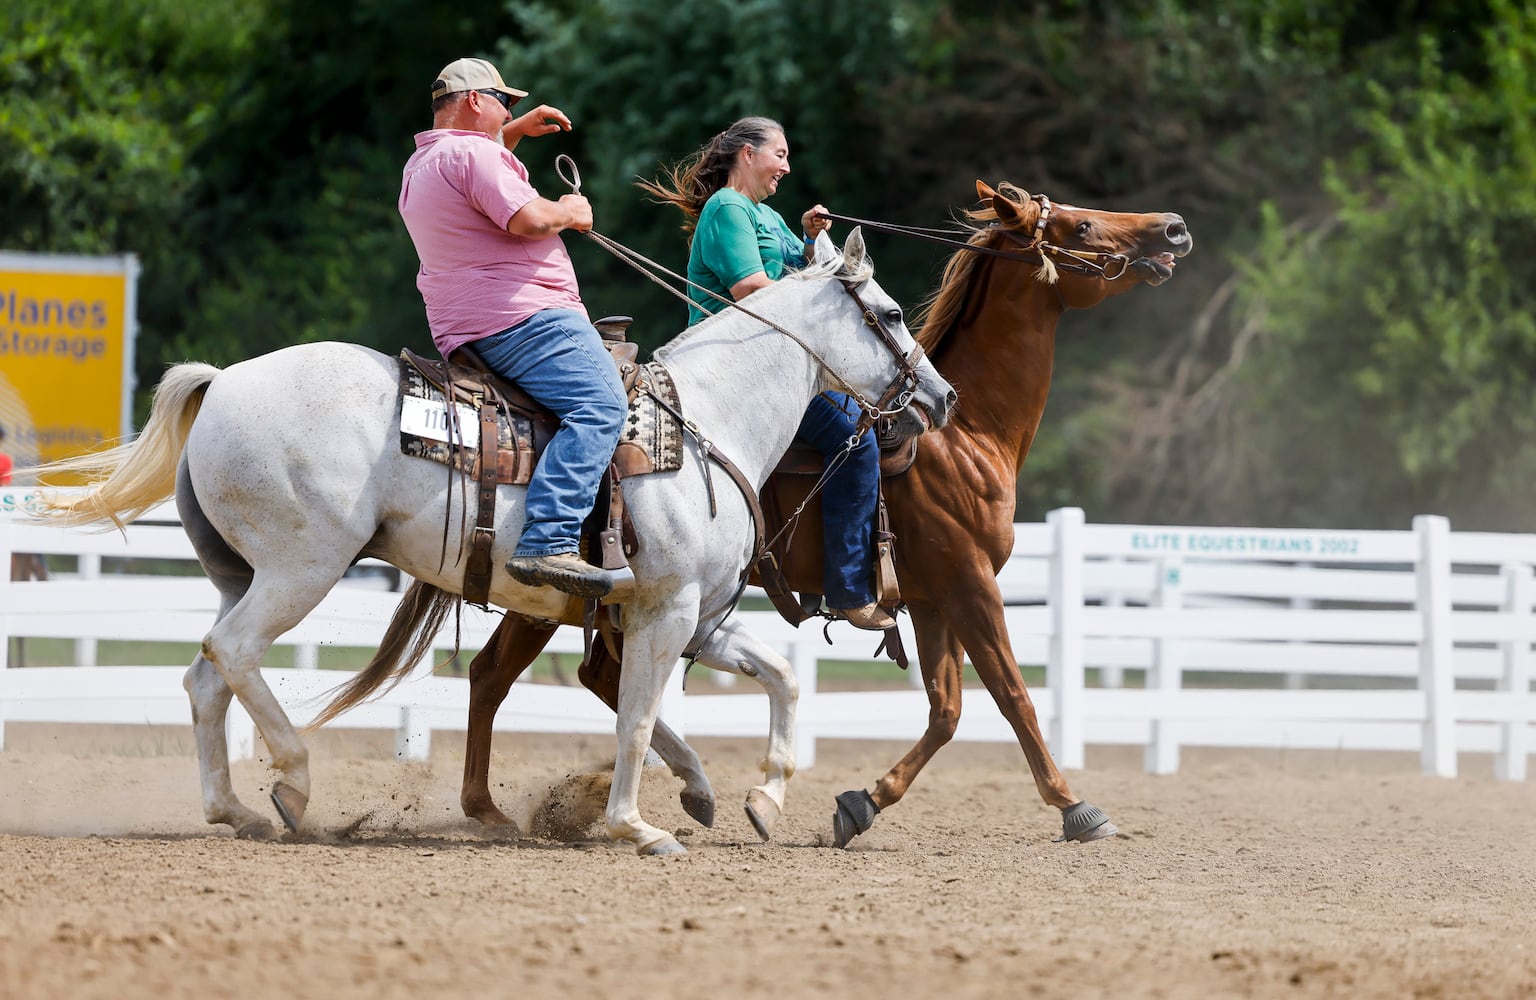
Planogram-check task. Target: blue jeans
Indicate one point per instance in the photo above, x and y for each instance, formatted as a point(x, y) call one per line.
point(849, 502)
point(557, 357)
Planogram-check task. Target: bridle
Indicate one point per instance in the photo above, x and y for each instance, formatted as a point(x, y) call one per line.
point(904, 386)
point(1036, 248)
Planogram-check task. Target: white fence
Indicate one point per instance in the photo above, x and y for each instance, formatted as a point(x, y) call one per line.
point(1357, 640)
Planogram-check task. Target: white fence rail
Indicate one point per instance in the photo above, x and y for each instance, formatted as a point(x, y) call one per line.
point(1370, 640)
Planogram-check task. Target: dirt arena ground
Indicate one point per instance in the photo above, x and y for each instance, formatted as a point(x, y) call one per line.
point(1254, 875)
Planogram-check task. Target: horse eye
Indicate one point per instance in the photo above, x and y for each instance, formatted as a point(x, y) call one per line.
point(893, 316)
point(1083, 228)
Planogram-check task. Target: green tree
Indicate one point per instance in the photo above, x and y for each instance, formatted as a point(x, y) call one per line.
point(1348, 345)
point(296, 212)
point(1221, 112)
point(1399, 333)
point(1195, 107)
point(646, 84)
point(105, 103)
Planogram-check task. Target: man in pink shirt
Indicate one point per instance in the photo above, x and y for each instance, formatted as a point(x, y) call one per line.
point(495, 275)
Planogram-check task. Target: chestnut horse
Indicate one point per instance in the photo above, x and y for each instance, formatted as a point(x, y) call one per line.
point(990, 329)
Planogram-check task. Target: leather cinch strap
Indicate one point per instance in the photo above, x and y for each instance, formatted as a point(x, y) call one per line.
point(477, 571)
point(768, 572)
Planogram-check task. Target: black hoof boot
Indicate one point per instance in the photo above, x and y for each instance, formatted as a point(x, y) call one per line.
point(856, 812)
point(700, 807)
point(1084, 822)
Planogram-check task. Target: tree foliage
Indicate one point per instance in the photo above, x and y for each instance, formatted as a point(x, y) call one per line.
point(1351, 343)
point(105, 104)
point(1393, 336)
point(646, 84)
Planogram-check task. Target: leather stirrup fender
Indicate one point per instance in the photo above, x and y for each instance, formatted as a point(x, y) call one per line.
point(477, 570)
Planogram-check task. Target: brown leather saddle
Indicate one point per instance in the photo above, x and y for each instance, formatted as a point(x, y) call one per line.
point(509, 445)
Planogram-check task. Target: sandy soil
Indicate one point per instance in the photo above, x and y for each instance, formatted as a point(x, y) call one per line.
point(1246, 875)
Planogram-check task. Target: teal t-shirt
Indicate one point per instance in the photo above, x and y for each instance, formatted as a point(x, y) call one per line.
point(735, 238)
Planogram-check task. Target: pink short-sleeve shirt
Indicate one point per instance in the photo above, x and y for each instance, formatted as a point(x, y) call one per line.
point(458, 191)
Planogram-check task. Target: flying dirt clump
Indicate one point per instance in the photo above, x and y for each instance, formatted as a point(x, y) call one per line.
point(572, 808)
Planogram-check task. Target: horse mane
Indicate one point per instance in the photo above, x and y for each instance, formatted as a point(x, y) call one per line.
point(938, 314)
point(817, 269)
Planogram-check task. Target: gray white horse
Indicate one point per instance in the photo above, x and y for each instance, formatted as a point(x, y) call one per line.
point(287, 468)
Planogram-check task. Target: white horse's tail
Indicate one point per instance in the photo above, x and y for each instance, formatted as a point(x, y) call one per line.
point(125, 481)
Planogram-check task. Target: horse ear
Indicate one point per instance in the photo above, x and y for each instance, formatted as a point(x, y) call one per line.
point(825, 249)
point(854, 253)
point(984, 191)
point(1009, 212)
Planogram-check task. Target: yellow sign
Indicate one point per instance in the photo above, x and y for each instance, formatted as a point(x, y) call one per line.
point(67, 327)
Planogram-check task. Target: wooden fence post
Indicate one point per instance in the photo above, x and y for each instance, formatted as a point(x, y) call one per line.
point(413, 739)
point(1112, 675)
point(1437, 678)
point(413, 736)
point(673, 710)
point(85, 649)
point(1294, 679)
point(5, 633)
point(239, 732)
point(803, 656)
point(1064, 666)
point(1514, 745)
point(1167, 673)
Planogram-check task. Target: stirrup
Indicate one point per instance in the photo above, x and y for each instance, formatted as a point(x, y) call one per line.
point(623, 586)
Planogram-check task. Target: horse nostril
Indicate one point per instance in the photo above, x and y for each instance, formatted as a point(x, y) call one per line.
point(1176, 231)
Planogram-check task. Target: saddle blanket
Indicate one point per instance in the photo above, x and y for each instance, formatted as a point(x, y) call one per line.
point(427, 431)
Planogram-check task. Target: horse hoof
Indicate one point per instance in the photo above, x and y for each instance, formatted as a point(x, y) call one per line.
point(1083, 822)
point(856, 812)
point(1104, 829)
point(700, 807)
point(665, 847)
point(499, 823)
point(290, 804)
point(491, 818)
point(763, 813)
point(256, 829)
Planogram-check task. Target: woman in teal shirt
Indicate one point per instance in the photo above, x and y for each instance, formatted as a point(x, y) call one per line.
point(737, 244)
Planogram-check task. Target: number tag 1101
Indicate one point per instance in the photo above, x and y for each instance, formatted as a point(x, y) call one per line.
point(428, 418)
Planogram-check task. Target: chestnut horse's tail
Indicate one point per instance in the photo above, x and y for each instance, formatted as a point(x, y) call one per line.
point(408, 639)
point(125, 481)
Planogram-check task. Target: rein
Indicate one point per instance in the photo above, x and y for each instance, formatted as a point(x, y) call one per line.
point(899, 391)
point(898, 395)
point(1093, 263)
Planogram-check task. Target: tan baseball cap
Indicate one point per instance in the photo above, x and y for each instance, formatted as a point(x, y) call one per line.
point(472, 74)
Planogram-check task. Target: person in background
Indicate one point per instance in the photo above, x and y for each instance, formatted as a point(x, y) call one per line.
point(738, 244)
point(496, 277)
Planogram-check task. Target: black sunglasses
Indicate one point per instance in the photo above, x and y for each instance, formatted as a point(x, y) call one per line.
point(507, 100)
